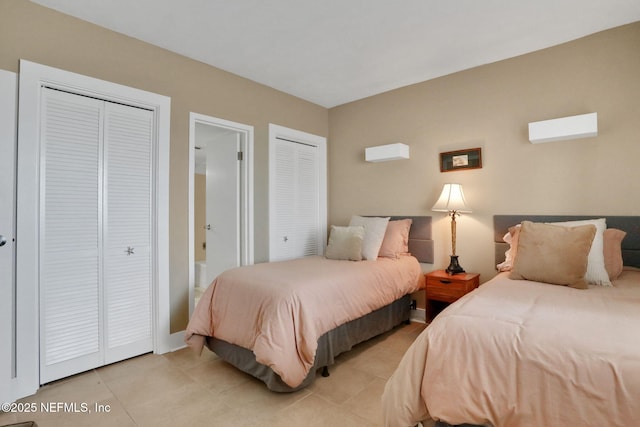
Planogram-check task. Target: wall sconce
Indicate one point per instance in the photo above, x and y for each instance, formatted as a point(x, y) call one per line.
point(383, 153)
point(573, 127)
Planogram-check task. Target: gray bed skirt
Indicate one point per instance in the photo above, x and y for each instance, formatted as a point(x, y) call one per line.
point(330, 345)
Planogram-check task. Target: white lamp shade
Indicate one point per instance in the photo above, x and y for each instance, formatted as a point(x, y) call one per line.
point(451, 199)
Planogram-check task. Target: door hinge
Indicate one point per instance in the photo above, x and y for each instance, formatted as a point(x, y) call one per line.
point(240, 155)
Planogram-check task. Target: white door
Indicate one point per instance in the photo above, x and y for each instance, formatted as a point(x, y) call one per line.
point(95, 233)
point(127, 232)
point(297, 194)
point(8, 105)
point(223, 203)
point(70, 239)
point(297, 231)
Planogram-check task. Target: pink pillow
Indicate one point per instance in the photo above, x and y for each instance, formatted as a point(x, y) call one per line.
point(396, 239)
point(510, 255)
point(613, 251)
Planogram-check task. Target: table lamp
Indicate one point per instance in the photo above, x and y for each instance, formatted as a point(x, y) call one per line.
point(452, 201)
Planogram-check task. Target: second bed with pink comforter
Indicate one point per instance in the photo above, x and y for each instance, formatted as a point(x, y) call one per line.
point(531, 353)
point(517, 353)
point(279, 310)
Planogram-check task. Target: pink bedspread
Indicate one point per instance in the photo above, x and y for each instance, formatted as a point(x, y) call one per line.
point(517, 353)
point(280, 309)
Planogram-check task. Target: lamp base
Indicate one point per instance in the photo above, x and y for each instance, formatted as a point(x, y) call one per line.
point(454, 267)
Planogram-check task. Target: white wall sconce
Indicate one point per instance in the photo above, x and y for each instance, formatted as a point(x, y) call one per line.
point(573, 127)
point(383, 153)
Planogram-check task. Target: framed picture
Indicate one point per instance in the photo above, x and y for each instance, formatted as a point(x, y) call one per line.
point(461, 159)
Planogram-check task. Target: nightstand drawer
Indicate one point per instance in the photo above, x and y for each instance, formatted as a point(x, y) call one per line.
point(447, 289)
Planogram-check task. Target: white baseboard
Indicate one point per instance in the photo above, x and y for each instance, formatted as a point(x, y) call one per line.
point(418, 315)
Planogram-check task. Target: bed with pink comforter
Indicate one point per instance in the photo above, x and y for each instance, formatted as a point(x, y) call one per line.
point(279, 310)
point(521, 353)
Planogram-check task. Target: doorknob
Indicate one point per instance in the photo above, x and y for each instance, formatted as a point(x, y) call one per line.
point(3, 240)
point(208, 226)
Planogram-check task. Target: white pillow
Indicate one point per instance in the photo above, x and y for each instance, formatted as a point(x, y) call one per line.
point(596, 270)
point(374, 229)
point(345, 243)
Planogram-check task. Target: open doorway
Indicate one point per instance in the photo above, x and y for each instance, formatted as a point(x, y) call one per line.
point(220, 199)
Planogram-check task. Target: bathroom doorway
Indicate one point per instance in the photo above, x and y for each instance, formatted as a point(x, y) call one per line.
point(221, 208)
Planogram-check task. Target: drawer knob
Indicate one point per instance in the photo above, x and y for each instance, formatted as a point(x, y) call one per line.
point(445, 281)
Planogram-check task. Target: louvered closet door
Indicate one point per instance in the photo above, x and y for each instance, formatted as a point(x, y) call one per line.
point(127, 232)
point(307, 201)
point(296, 223)
point(70, 237)
point(95, 233)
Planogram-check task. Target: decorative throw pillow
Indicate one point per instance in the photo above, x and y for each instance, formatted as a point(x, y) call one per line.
point(396, 239)
point(345, 243)
point(374, 229)
point(613, 251)
point(553, 254)
point(596, 270)
point(512, 239)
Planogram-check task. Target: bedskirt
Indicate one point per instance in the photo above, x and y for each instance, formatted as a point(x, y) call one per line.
point(330, 345)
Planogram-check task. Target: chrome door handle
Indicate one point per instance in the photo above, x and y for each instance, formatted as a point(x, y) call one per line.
point(3, 240)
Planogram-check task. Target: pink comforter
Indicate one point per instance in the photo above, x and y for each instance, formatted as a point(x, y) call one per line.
point(518, 353)
point(280, 309)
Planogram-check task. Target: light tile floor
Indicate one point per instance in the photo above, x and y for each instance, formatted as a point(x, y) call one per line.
point(181, 389)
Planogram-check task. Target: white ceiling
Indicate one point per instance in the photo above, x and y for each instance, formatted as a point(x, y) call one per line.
point(335, 51)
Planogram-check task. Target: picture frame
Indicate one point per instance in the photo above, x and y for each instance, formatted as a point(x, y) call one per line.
point(461, 159)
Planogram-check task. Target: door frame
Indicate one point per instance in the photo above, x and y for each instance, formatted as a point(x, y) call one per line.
point(32, 77)
point(8, 147)
point(246, 189)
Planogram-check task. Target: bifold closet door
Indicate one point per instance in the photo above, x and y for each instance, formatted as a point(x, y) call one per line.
point(296, 224)
point(127, 232)
point(70, 234)
point(95, 233)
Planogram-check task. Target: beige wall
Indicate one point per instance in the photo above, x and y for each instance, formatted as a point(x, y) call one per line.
point(490, 107)
point(41, 35)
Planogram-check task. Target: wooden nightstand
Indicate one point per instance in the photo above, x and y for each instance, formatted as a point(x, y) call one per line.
point(447, 288)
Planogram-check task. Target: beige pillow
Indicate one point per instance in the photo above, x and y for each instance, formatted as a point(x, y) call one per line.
point(613, 252)
point(396, 239)
point(553, 254)
point(345, 243)
point(374, 229)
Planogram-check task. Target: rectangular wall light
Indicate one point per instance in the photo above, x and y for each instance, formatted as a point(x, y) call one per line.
point(573, 127)
point(383, 153)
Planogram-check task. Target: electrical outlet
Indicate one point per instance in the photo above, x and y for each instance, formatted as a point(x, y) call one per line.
point(414, 304)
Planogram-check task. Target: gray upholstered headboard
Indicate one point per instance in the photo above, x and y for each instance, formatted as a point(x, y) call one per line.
point(420, 240)
point(630, 224)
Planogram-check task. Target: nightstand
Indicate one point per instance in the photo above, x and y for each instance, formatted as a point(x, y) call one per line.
point(445, 288)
